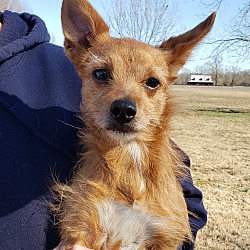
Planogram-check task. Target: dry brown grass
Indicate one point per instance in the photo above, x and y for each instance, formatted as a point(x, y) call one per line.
point(213, 128)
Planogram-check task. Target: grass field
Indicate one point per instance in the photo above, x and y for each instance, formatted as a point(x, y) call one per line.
point(213, 127)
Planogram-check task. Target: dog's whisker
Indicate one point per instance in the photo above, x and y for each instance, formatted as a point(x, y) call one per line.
point(70, 125)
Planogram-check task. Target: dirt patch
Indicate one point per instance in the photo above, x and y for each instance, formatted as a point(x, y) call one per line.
point(213, 127)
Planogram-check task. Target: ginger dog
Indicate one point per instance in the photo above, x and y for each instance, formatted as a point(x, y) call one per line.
point(125, 193)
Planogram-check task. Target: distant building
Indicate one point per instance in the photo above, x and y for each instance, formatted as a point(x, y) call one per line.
point(201, 80)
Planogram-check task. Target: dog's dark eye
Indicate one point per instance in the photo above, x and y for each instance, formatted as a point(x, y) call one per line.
point(152, 83)
point(101, 75)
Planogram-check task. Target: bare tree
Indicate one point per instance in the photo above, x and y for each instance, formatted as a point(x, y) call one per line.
point(215, 67)
point(231, 75)
point(237, 33)
point(13, 5)
point(149, 21)
point(244, 78)
point(182, 79)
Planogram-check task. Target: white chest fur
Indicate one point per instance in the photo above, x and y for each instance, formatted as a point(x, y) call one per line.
point(136, 153)
point(133, 226)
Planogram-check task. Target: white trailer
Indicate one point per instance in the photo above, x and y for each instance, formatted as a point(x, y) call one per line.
point(200, 80)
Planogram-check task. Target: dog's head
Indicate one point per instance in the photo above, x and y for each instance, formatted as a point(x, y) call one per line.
point(126, 82)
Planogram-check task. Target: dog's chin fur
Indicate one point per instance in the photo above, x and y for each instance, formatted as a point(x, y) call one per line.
point(125, 128)
point(122, 137)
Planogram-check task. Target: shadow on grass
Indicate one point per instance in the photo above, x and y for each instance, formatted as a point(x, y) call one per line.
point(222, 112)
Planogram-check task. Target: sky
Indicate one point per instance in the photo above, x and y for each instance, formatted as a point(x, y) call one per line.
point(190, 12)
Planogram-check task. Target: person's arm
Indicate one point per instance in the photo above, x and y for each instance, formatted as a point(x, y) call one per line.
point(193, 198)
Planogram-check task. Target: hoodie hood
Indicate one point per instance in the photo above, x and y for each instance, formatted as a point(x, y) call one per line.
point(38, 84)
point(20, 32)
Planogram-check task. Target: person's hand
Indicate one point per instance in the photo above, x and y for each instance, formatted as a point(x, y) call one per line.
point(75, 247)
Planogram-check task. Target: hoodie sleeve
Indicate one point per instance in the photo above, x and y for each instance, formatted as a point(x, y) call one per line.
point(193, 197)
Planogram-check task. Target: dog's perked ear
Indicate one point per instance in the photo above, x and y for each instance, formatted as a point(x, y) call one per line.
point(81, 25)
point(179, 48)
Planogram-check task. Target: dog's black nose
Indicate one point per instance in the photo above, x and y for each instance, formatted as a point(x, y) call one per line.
point(123, 110)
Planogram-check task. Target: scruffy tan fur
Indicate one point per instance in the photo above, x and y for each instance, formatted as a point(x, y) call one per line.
point(125, 193)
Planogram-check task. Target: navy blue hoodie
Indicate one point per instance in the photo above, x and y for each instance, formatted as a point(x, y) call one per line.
point(39, 100)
